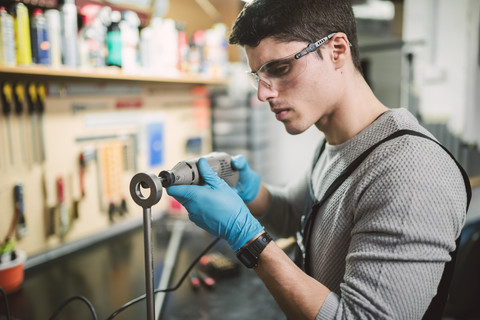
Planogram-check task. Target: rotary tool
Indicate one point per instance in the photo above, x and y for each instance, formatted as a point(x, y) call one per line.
point(186, 172)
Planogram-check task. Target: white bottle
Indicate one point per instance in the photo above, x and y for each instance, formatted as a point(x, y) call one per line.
point(55, 36)
point(7, 39)
point(70, 33)
point(169, 53)
point(130, 41)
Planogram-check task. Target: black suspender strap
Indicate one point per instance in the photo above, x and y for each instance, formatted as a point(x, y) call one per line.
point(436, 307)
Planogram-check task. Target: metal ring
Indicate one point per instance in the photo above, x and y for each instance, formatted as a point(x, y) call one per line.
point(147, 181)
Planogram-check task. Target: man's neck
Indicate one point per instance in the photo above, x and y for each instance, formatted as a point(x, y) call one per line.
point(354, 112)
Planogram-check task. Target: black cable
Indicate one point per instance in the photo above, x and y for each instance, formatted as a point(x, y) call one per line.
point(184, 276)
point(87, 302)
point(131, 302)
point(5, 300)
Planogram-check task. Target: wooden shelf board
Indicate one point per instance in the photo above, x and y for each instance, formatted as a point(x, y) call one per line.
point(108, 74)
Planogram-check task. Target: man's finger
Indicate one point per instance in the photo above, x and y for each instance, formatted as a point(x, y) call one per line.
point(239, 162)
point(208, 175)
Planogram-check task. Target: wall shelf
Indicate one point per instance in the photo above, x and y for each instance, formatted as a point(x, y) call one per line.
point(105, 74)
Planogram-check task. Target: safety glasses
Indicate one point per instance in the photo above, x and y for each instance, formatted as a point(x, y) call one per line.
point(278, 73)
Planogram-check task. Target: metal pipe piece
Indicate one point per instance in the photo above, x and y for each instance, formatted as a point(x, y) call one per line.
point(148, 248)
point(153, 183)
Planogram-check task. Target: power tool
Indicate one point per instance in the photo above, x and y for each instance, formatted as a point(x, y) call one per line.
point(186, 172)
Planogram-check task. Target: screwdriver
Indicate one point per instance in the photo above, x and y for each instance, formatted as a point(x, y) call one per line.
point(32, 106)
point(7, 92)
point(19, 98)
point(41, 95)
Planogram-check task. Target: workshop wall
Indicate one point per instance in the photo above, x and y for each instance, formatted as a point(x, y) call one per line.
point(95, 137)
point(446, 62)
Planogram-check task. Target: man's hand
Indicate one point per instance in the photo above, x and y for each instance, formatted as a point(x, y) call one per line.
point(216, 208)
point(249, 182)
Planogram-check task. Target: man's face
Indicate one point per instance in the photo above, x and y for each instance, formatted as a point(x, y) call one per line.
point(301, 98)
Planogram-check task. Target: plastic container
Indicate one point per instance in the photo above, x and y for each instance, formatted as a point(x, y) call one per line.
point(7, 39)
point(114, 41)
point(130, 41)
point(91, 37)
point(12, 273)
point(40, 40)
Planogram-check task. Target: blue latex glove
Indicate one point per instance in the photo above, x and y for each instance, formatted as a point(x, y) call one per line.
point(216, 208)
point(249, 183)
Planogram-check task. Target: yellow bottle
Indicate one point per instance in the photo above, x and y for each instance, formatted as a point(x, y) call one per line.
point(22, 34)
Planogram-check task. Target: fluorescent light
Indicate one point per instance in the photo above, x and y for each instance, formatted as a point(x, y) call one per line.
point(375, 10)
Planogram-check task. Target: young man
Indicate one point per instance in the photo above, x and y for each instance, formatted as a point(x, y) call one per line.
point(377, 246)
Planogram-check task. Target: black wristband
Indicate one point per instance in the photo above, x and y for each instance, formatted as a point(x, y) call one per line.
point(249, 254)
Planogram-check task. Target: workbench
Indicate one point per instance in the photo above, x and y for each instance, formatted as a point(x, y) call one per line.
point(111, 273)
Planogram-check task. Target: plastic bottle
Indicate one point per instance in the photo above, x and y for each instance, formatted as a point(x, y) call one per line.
point(90, 41)
point(130, 41)
point(146, 44)
point(183, 48)
point(22, 34)
point(40, 41)
point(216, 57)
point(7, 39)
point(70, 33)
point(196, 52)
point(55, 36)
point(151, 47)
point(114, 41)
point(169, 54)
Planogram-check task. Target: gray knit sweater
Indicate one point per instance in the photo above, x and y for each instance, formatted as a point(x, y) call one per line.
point(381, 241)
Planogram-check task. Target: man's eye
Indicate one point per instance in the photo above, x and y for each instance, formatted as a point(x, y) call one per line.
point(279, 69)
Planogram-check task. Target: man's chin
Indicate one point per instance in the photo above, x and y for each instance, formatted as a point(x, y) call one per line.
point(293, 130)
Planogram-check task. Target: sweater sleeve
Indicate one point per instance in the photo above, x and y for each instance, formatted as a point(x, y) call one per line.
point(406, 219)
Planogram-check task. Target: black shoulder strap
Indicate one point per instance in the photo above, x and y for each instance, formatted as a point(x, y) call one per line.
point(436, 307)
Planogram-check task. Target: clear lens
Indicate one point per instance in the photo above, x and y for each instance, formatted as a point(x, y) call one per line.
point(278, 73)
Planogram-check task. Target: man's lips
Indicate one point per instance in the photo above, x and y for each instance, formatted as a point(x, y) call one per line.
point(280, 113)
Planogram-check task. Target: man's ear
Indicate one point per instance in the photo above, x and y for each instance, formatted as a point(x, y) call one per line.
point(340, 49)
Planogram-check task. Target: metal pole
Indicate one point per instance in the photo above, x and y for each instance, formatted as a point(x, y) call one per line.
point(153, 183)
point(149, 276)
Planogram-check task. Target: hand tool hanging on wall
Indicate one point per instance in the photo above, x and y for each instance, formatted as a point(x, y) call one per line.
point(19, 99)
point(82, 163)
point(20, 210)
point(7, 92)
point(32, 106)
point(75, 199)
point(41, 96)
point(49, 211)
point(64, 219)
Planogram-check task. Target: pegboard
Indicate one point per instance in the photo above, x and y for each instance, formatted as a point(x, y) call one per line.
point(93, 143)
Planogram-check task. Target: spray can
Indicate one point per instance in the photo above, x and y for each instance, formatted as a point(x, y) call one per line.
point(114, 41)
point(22, 34)
point(54, 35)
point(7, 39)
point(70, 30)
point(40, 41)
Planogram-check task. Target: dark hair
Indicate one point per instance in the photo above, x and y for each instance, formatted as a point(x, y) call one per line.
point(295, 20)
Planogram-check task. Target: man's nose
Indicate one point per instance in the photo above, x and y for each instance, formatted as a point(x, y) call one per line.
point(265, 91)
